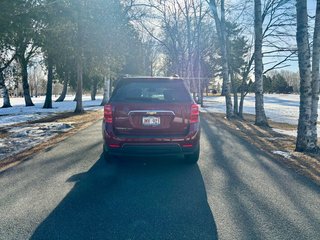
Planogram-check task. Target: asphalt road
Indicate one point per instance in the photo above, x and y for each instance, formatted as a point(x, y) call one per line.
point(234, 192)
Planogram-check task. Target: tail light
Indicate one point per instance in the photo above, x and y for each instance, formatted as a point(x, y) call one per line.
point(194, 117)
point(108, 113)
point(114, 145)
point(187, 145)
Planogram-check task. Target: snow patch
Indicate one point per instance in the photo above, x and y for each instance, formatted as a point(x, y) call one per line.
point(19, 113)
point(18, 139)
point(292, 133)
point(283, 154)
point(275, 138)
point(27, 135)
point(281, 108)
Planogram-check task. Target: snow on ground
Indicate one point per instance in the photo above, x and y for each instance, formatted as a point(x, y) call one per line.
point(283, 154)
point(25, 137)
point(279, 108)
point(282, 108)
point(19, 113)
point(292, 133)
point(18, 139)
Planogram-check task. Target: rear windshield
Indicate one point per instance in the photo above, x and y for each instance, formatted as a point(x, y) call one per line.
point(151, 91)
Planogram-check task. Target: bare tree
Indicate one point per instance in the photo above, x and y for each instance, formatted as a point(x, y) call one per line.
point(278, 46)
point(261, 118)
point(309, 82)
point(177, 27)
point(221, 31)
point(315, 75)
point(106, 90)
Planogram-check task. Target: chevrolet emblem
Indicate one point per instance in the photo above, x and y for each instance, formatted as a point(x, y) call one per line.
point(151, 113)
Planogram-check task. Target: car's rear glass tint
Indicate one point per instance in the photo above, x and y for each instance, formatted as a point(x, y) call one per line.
point(151, 91)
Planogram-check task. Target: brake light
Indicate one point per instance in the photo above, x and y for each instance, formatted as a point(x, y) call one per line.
point(114, 145)
point(187, 145)
point(108, 113)
point(194, 117)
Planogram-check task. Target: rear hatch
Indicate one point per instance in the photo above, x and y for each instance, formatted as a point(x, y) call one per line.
point(151, 108)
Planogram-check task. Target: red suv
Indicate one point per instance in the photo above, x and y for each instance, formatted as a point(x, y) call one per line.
point(151, 116)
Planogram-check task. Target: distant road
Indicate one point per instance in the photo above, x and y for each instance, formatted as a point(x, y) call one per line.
point(235, 192)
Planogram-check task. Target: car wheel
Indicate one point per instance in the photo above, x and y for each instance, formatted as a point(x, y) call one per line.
point(192, 158)
point(107, 157)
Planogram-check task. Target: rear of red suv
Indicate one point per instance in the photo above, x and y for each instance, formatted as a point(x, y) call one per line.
point(151, 116)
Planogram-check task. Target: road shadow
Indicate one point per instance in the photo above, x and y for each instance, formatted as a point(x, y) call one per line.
point(250, 195)
point(133, 199)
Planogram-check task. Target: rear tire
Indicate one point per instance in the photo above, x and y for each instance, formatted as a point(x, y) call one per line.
point(107, 157)
point(192, 158)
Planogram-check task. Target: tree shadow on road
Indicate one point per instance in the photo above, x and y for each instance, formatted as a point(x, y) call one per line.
point(252, 180)
point(133, 199)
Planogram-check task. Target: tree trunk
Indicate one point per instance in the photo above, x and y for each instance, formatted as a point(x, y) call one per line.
point(223, 90)
point(76, 96)
point(235, 94)
point(5, 94)
point(244, 91)
point(315, 75)
point(79, 107)
point(94, 89)
point(79, 58)
point(242, 96)
point(25, 84)
point(106, 91)
point(35, 83)
point(48, 101)
point(225, 65)
point(194, 95)
point(64, 90)
point(304, 138)
point(261, 118)
point(221, 30)
point(244, 88)
point(201, 93)
point(235, 102)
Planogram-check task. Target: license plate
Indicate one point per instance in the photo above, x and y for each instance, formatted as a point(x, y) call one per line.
point(150, 121)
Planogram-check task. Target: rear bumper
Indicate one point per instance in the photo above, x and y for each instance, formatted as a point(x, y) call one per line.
point(151, 145)
point(149, 150)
